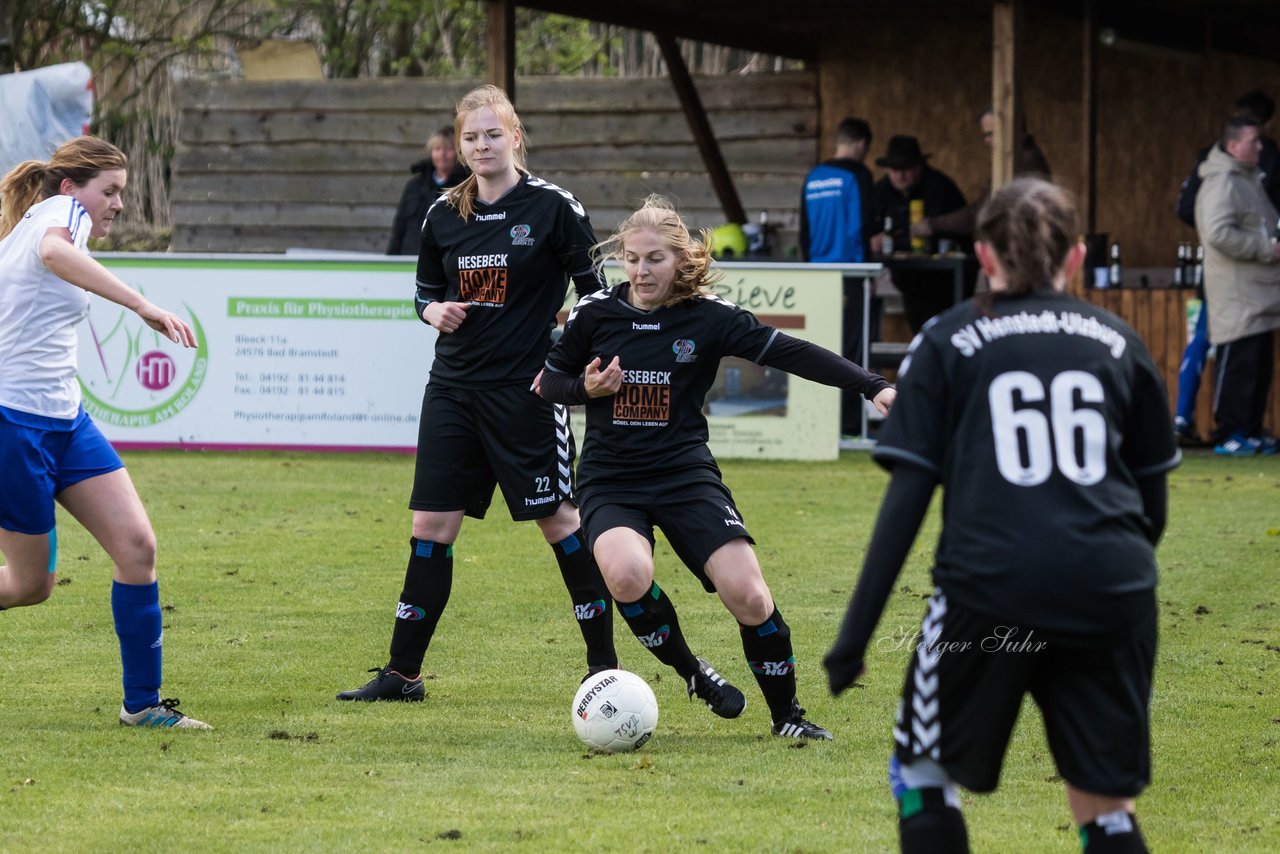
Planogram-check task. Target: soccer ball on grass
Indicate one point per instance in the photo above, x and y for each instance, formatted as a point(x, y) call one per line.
point(614, 711)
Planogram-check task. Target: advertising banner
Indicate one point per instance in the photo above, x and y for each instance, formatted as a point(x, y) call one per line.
point(326, 354)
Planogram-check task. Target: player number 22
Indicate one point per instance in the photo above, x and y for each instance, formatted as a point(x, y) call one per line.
point(1052, 438)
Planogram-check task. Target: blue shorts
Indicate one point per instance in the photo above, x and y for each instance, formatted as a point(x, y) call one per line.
point(42, 456)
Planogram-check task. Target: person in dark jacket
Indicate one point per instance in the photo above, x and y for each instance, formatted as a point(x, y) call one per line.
point(911, 178)
point(431, 177)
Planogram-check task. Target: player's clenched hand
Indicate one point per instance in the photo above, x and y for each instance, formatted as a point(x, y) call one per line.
point(602, 383)
point(166, 322)
point(843, 669)
point(883, 401)
point(445, 316)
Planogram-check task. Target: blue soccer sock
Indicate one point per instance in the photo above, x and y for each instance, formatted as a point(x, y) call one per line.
point(139, 626)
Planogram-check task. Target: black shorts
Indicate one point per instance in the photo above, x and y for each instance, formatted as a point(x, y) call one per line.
point(965, 684)
point(471, 440)
point(697, 517)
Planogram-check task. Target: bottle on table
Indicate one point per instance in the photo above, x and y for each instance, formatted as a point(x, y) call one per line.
point(1180, 269)
point(886, 245)
point(1115, 273)
point(916, 213)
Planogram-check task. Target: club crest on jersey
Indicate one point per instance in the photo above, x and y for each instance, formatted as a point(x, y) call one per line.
point(683, 348)
point(520, 235)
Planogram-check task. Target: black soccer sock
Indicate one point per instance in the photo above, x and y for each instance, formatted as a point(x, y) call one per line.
point(590, 597)
point(768, 650)
point(653, 621)
point(427, 582)
point(928, 825)
point(1114, 833)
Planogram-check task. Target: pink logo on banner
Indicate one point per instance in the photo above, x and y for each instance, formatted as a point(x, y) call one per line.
point(155, 370)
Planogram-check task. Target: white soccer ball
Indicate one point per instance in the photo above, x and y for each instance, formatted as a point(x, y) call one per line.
point(615, 711)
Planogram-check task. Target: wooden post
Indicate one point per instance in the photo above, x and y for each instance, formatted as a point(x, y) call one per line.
point(694, 113)
point(1006, 21)
point(500, 43)
point(1089, 124)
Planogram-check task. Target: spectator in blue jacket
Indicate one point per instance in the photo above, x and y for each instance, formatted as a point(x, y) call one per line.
point(836, 209)
point(836, 227)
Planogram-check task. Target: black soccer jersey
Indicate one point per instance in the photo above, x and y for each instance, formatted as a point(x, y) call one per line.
point(669, 357)
point(510, 262)
point(1038, 420)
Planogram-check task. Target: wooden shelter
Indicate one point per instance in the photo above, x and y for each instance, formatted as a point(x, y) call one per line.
point(1120, 95)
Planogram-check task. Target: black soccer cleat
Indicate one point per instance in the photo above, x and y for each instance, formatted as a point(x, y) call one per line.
point(387, 685)
point(711, 688)
point(795, 726)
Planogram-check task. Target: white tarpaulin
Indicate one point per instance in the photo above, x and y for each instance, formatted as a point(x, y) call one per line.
point(43, 109)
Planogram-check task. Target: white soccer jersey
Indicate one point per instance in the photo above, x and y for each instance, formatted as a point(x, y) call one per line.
point(39, 313)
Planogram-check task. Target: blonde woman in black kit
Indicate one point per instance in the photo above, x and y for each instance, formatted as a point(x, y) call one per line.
point(642, 356)
point(497, 254)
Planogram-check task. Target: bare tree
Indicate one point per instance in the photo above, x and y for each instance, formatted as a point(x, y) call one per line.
point(137, 48)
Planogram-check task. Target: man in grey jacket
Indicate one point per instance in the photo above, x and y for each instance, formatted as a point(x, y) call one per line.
point(1238, 227)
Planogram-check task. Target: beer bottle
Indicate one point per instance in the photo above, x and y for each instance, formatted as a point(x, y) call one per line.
point(1180, 269)
point(1198, 276)
point(886, 246)
point(915, 210)
point(1114, 272)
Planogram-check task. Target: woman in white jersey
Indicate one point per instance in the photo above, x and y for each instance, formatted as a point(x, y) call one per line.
point(49, 448)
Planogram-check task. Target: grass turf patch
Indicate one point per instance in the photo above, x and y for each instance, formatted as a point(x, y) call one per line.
point(279, 576)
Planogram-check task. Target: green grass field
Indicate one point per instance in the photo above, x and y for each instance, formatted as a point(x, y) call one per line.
point(279, 576)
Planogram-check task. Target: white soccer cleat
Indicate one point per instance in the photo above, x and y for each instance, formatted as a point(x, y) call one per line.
point(163, 714)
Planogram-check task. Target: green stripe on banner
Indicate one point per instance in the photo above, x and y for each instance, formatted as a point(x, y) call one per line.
point(122, 262)
point(304, 308)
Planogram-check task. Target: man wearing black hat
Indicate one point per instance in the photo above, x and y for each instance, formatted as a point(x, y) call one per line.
point(910, 177)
